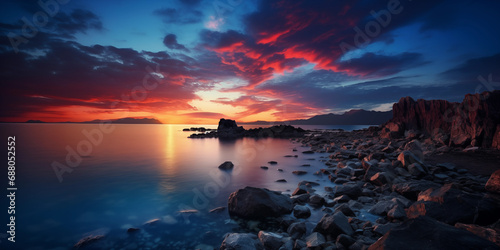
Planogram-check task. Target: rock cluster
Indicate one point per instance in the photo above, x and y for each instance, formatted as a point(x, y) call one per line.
point(228, 129)
point(419, 205)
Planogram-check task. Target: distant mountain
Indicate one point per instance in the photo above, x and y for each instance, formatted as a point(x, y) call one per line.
point(130, 120)
point(352, 117)
point(34, 121)
point(127, 120)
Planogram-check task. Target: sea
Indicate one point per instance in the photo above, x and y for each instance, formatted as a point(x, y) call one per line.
point(74, 181)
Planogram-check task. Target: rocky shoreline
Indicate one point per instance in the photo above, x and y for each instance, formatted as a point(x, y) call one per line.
point(420, 205)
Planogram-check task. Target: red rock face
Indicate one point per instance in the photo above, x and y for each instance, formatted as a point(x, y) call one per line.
point(475, 121)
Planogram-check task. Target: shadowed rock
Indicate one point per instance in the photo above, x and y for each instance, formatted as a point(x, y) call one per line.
point(241, 241)
point(426, 233)
point(258, 203)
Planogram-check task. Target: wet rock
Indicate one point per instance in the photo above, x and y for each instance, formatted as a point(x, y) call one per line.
point(383, 228)
point(412, 188)
point(301, 211)
point(397, 213)
point(301, 189)
point(345, 209)
point(300, 199)
point(342, 199)
point(380, 178)
point(352, 190)
point(483, 232)
point(217, 210)
point(345, 240)
point(258, 203)
point(226, 165)
point(316, 200)
point(281, 180)
point(426, 233)
point(493, 184)
point(270, 240)
point(407, 158)
point(241, 241)
point(297, 230)
point(333, 225)
point(315, 240)
point(87, 241)
point(132, 230)
point(299, 172)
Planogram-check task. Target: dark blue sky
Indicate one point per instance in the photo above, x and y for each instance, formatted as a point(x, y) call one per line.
point(247, 60)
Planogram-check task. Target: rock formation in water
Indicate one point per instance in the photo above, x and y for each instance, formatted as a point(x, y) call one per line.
point(473, 122)
point(228, 129)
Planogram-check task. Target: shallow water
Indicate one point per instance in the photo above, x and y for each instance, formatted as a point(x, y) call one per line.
point(134, 174)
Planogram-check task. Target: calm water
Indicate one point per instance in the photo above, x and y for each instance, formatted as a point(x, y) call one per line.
point(134, 174)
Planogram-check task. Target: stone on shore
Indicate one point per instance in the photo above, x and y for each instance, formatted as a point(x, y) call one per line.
point(300, 211)
point(241, 241)
point(334, 225)
point(451, 205)
point(270, 240)
point(315, 240)
point(493, 184)
point(258, 203)
point(427, 233)
point(226, 165)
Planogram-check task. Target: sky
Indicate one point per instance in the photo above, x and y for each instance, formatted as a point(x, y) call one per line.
point(196, 61)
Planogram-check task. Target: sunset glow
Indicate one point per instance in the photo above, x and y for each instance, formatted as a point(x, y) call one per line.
point(190, 62)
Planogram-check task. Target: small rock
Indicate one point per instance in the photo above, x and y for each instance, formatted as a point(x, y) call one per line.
point(493, 184)
point(299, 172)
point(217, 210)
point(308, 152)
point(272, 162)
point(264, 167)
point(281, 180)
point(226, 165)
point(334, 225)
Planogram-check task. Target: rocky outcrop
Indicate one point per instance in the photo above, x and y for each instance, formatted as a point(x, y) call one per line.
point(474, 122)
point(426, 233)
point(258, 203)
point(228, 129)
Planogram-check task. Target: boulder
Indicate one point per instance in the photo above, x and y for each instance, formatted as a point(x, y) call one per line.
point(300, 211)
point(412, 188)
point(493, 184)
point(451, 205)
point(241, 241)
point(334, 225)
point(407, 158)
point(315, 240)
point(228, 129)
point(226, 165)
point(427, 233)
point(483, 232)
point(352, 190)
point(270, 240)
point(380, 178)
point(258, 203)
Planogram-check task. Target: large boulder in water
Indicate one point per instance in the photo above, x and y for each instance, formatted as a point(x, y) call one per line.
point(426, 233)
point(258, 203)
point(228, 129)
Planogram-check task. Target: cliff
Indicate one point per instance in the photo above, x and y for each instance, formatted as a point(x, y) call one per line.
point(473, 122)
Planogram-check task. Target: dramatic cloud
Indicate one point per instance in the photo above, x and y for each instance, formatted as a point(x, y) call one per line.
point(170, 41)
point(276, 59)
